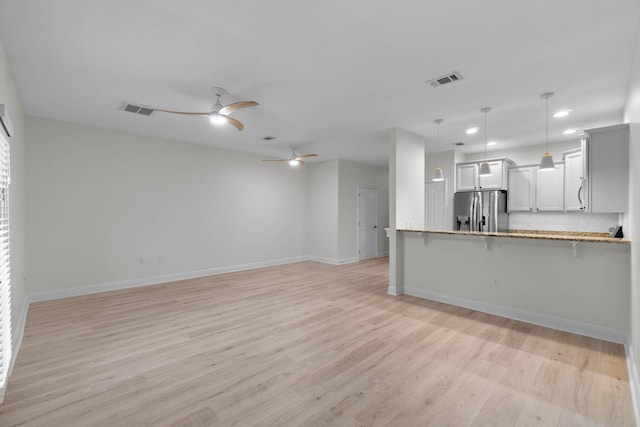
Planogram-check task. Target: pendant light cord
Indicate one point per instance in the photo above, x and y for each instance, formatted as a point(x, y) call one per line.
point(485, 135)
point(438, 143)
point(547, 123)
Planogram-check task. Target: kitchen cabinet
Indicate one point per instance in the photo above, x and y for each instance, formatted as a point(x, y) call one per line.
point(521, 189)
point(550, 189)
point(608, 169)
point(532, 190)
point(574, 181)
point(467, 178)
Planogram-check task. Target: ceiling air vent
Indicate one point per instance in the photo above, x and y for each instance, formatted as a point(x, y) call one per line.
point(458, 143)
point(137, 109)
point(447, 78)
point(269, 138)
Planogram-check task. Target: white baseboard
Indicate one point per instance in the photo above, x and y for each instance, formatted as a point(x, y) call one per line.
point(566, 325)
point(18, 330)
point(332, 261)
point(383, 254)
point(153, 280)
point(392, 290)
point(634, 383)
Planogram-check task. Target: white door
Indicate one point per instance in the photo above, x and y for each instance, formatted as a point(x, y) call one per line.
point(434, 205)
point(367, 223)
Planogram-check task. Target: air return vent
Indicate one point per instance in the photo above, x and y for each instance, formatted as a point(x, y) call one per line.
point(137, 109)
point(446, 79)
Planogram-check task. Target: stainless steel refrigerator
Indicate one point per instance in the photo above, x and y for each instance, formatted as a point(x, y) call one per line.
point(481, 211)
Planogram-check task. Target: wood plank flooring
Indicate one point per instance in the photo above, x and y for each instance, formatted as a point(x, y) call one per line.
point(303, 344)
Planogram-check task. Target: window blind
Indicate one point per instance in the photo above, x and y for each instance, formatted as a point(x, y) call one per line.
point(5, 290)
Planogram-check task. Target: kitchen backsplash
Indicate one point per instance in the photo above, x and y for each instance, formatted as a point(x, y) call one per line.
point(571, 221)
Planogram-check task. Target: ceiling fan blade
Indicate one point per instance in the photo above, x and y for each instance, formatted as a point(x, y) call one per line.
point(235, 123)
point(307, 155)
point(228, 109)
point(182, 112)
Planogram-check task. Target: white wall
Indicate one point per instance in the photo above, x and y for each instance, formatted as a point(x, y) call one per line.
point(9, 96)
point(409, 179)
point(350, 176)
point(632, 116)
point(406, 196)
point(101, 200)
point(323, 211)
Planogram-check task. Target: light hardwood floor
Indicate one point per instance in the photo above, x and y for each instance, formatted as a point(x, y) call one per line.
point(303, 344)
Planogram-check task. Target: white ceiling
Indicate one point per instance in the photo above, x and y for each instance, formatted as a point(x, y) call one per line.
point(331, 77)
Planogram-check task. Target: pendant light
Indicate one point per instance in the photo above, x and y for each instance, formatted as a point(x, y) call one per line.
point(485, 170)
point(437, 174)
point(546, 163)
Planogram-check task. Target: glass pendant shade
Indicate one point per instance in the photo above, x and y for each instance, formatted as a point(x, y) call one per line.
point(546, 163)
point(485, 170)
point(437, 174)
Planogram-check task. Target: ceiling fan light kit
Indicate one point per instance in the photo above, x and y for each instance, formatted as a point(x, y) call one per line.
point(294, 159)
point(219, 113)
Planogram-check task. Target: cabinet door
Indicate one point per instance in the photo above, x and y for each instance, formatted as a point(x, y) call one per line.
point(574, 193)
point(521, 189)
point(608, 174)
point(467, 177)
point(493, 181)
point(550, 189)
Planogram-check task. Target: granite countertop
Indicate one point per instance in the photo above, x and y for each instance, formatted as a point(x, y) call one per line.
point(569, 236)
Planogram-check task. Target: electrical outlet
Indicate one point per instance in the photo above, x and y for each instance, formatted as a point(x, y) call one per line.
point(141, 261)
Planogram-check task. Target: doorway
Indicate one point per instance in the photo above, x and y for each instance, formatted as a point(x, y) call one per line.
point(367, 222)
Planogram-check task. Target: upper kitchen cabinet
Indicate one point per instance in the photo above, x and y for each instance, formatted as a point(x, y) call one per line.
point(522, 181)
point(550, 189)
point(574, 181)
point(467, 178)
point(608, 169)
point(533, 190)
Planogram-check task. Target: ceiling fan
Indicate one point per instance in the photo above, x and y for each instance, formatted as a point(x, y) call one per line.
point(294, 159)
point(219, 113)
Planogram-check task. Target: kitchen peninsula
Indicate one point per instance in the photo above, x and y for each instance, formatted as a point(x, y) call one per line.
point(574, 282)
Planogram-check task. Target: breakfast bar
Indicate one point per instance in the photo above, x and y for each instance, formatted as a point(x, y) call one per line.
point(577, 282)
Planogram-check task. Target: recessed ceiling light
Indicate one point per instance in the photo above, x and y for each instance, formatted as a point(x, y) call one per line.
point(491, 143)
point(562, 113)
point(569, 132)
point(471, 131)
